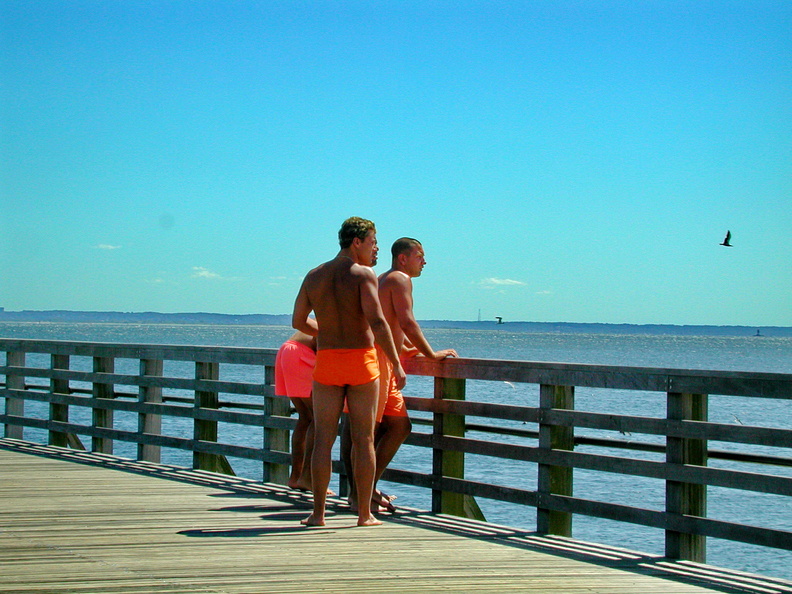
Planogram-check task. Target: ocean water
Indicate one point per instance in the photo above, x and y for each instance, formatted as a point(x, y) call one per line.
point(736, 353)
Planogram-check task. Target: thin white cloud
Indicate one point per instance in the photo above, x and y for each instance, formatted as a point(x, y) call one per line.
point(204, 273)
point(201, 272)
point(283, 281)
point(164, 279)
point(107, 246)
point(500, 282)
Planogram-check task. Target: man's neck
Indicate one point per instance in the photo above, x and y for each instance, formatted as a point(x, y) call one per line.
point(349, 255)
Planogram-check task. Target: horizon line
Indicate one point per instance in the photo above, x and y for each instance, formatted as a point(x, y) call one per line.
point(494, 321)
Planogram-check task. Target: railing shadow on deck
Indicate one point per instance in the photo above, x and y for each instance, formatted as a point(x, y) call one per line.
point(297, 504)
point(158, 384)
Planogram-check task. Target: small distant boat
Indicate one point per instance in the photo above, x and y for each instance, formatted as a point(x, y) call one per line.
point(758, 333)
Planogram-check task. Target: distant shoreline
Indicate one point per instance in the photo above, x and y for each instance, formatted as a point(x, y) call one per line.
point(97, 317)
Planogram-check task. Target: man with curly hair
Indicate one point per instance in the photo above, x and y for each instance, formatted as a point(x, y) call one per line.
point(343, 295)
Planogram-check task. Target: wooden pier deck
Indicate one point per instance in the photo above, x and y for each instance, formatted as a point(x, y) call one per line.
point(83, 522)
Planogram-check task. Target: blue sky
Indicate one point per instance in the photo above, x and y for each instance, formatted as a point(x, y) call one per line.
point(561, 161)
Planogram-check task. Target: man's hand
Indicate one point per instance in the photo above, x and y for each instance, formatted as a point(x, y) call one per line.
point(401, 377)
point(440, 355)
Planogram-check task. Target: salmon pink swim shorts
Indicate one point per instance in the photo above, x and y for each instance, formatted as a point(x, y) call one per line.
point(294, 365)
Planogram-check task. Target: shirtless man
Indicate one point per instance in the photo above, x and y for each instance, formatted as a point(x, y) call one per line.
point(342, 293)
point(395, 293)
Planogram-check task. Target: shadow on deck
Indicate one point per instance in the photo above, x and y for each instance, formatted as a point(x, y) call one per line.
point(430, 552)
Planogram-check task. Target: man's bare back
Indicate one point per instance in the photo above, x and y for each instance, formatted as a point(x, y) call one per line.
point(333, 290)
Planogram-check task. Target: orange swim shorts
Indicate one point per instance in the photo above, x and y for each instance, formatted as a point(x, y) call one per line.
point(294, 365)
point(391, 400)
point(346, 367)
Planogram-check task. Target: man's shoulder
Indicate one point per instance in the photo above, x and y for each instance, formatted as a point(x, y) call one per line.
point(330, 267)
point(341, 269)
point(362, 271)
point(395, 281)
point(317, 271)
point(394, 274)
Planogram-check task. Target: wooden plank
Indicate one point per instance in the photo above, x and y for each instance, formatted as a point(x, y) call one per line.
point(210, 354)
point(750, 481)
point(122, 528)
point(606, 421)
point(675, 428)
point(59, 412)
point(105, 399)
point(205, 430)
point(766, 385)
point(177, 383)
point(241, 418)
point(684, 498)
point(768, 537)
point(102, 417)
point(554, 479)
point(650, 379)
point(275, 438)
point(451, 464)
point(150, 423)
point(205, 447)
point(14, 381)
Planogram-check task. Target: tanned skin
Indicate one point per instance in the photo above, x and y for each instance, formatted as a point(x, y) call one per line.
point(342, 293)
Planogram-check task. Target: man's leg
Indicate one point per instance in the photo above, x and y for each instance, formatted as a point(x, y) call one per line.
point(392, 432)
point(362, 404)
point(346, 460)
point(305, 478)
point(300, 454)
point(328, 402)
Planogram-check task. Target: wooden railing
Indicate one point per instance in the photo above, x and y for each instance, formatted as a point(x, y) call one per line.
point(169, 383)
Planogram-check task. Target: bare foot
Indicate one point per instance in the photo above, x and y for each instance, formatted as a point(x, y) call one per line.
point(299, 486)
point(313, 521)
point(380, 503)
point(386, 497)
point(370, 521)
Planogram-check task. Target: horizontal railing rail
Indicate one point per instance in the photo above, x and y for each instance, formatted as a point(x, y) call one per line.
point(220, 387)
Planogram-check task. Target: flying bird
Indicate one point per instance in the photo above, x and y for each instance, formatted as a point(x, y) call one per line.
point(727, 239)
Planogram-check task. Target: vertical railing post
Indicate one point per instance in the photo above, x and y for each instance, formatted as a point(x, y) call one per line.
point(59, 412)
point(14, 406)
point(206, 430)
point(148, 423)
point(447, 463)
point(103, 418)
point(275, 439)
point(555, 480)
point(686, 499)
